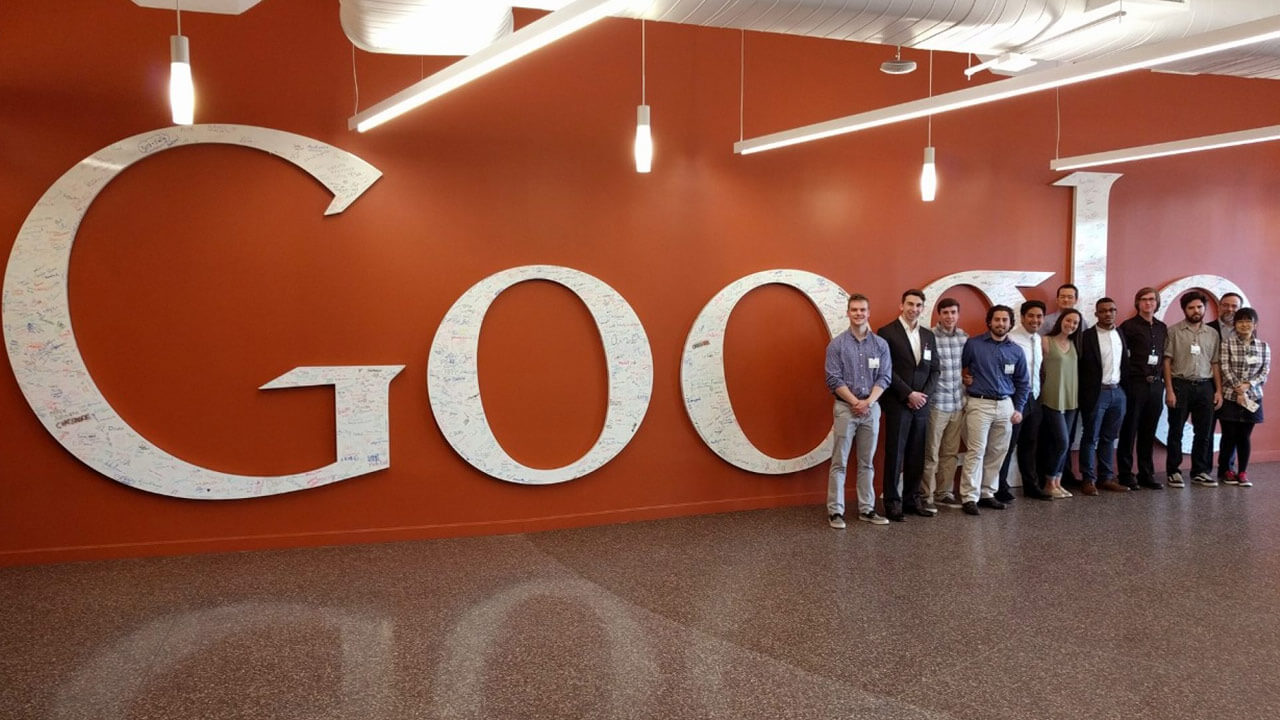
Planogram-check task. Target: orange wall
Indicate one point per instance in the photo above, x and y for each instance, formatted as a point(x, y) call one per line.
point(203, 272)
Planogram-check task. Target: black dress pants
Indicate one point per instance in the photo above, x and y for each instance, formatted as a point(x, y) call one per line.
point(1194, 400)
point(1145, 402)
point(904, 437)
point(1025, 441)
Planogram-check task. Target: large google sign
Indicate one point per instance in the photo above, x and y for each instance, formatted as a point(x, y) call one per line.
point(56, 383)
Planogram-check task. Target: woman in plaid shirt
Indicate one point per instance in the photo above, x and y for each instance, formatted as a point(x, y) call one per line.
point(1245, 361)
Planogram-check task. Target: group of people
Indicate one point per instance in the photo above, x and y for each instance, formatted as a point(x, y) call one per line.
point(1024, 387)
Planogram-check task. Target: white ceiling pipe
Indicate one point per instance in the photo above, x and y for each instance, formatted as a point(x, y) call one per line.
point(1137, 58)
point(1177, 147)
point(534, 36)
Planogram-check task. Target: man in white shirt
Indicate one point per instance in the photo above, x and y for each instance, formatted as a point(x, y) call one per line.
point(1026, 434)
point(906, 409)
point(1103, 355)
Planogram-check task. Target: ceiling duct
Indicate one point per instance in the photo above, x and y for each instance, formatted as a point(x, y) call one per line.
point(1050, 32)
point(424, 27)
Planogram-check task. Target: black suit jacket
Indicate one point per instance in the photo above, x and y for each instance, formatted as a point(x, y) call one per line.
point(1091, 366)
point(908, 376)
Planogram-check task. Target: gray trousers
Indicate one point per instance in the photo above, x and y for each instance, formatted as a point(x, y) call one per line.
point(865, 431)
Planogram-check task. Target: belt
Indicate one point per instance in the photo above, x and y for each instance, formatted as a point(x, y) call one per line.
point(1193, 382)
point(997, 398)
point(1109, 386)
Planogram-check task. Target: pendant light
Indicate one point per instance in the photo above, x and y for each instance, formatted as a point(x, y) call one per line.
point(644, 135)
point(929, 173)
point(182, 92)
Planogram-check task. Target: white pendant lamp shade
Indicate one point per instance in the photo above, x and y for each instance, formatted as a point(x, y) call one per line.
point(928, 177)
point(644, 140)
point(182, 93)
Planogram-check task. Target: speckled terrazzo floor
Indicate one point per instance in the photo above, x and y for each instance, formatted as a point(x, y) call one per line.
point(1147, 605)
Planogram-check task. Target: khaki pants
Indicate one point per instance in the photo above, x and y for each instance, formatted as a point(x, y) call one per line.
point(988, 425)
point(941, 453)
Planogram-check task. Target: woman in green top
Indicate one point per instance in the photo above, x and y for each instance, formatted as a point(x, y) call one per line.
point(1060, 393)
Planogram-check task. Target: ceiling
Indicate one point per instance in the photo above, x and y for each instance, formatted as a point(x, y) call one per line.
point(1051, 32)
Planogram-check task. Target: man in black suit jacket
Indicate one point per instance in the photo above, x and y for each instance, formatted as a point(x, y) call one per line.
point(1103, 357)
point(905, 406)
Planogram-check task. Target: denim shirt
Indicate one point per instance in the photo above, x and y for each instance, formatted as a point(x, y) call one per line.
point(850, 362)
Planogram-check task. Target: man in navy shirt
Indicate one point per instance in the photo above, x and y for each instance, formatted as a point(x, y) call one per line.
point(858, 371)
point(999, 384)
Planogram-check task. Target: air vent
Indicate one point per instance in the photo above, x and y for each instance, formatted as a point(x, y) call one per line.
point(1136, 6)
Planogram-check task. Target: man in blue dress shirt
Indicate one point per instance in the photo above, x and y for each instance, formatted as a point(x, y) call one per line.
point(995, 371)
point(858, 372)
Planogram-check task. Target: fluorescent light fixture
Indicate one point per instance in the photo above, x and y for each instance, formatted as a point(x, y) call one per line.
point(534, 36)
point(182, 92)
point(928, 177)
point(644, 140)
point(1114, 64)
point(1177, 147)
point(1008, 62)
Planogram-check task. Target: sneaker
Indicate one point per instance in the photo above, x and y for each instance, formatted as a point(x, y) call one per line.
point(1243, 480)
point(871, 517)
point(992, 503)
point(1229, 478)
point(1205, 480)
point(971, 508)
point(929, 507)
point(949, 500)
point(1175, 480)
point(836, 521)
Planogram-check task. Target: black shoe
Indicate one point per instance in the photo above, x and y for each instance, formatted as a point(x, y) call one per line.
point(1035, 493)
point(991, 503)
point(1151, 484)
point(970, 508)
point(1005, 497)
point(893, 511)
point(920, 510)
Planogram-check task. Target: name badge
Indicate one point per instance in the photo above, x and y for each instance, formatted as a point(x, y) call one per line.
point(1152, 359)
point(873, 363)
point(928, 354)
point(1253, 359)
point(1195, 349)
point(1008, 368)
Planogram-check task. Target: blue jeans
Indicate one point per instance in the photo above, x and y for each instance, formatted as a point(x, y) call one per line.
point(850, 430)
point(1056, 424)
point(1101, 427)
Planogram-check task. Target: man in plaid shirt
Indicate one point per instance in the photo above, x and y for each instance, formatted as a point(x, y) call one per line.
point(946, 416)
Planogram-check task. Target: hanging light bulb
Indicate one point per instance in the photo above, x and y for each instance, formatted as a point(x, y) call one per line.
point(644, 140)
point(929, 172)
point(182, 92)
point(644, 135)
point(928, 177)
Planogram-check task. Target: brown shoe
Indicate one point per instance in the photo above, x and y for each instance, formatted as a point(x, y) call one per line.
point(1113, 486)
point(1088, 488)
